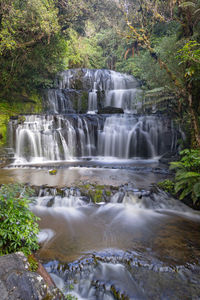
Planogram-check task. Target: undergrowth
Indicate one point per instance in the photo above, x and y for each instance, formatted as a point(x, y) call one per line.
point(18, 225)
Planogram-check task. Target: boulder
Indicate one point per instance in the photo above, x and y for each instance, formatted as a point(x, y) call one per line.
point(17, 282)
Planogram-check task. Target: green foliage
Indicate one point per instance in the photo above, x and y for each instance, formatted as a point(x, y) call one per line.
point(33, 264)
point(70, 297)
point(18, 225)
point(148, 70)
point(190, 56)
point(187, 179)
point(167, 185)
point(32, 47)
point(23, 23)
point(31, 104)
point(83, 51)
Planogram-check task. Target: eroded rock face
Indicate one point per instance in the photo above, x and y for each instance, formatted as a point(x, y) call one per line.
point(17, 282)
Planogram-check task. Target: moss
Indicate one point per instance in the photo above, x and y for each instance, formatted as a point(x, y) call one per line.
point(98, 196)
point(117, 295)
point(33, 264)
point(53, 172)
point(3, 128)
point(86, 186)
point(24, 105)
point(108, 193)
point(70, 297)
point(21, 119)
point(97, 193)
point(48, 297)
point(84, 101)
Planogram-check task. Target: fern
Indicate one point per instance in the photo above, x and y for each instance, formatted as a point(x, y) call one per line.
point(187, 179)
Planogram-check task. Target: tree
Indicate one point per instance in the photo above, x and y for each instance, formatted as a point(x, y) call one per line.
point(31, 46)
point(141, 19)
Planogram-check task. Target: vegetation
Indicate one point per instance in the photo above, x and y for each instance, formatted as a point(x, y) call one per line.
point(153, 25)
point(187, 179)
point(70, 297)
point(167, 185)
point(33, 264)
point(186, 184)
point(18, 225)
point(97, 193)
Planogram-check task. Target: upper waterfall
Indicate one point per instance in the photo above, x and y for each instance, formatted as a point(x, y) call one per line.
point(84, 90)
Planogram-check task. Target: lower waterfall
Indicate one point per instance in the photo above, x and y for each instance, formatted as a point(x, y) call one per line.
point(67, 137)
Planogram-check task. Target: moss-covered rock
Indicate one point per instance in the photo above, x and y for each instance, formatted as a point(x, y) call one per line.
point(97, 193)
point(53, 172)
point(23, 104)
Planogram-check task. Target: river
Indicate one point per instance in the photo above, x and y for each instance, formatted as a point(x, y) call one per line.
point(106, 231)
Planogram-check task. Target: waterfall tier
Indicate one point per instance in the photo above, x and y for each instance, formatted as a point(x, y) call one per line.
point(66, 137)
point(84, 90)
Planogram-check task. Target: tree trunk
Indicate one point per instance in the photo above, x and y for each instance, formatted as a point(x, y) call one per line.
point(194, 121)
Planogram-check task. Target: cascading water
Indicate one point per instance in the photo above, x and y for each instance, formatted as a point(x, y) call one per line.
point(128, 221)
point(66, 137)
point(102, 87)
point(62, 137)
point(111, 237)
point(92, 100)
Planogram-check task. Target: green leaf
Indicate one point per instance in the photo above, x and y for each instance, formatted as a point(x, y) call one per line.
point(196, 189)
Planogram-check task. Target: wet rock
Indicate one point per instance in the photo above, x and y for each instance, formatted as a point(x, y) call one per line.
point(16, 282)
point(51, 202)
point(169, 157)
point(111, 110)
point(6, 156)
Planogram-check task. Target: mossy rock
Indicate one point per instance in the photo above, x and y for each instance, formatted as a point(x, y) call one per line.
point(97, 193)
point(53, 172)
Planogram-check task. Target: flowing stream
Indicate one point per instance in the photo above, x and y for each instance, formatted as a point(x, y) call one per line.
point(106, 231)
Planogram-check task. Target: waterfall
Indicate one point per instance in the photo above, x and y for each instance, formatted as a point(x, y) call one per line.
point(63, 135)
point(102, 87)
point(67, 137)
point(92, 100)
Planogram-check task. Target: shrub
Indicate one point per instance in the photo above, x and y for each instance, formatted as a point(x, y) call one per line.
point(18, 225)
point(167, 185)
point(187, 179)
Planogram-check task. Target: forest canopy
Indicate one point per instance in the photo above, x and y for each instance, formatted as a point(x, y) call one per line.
point(156, 41)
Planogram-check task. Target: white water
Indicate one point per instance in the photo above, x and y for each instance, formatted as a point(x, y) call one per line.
point(117, 90)
point(68, 137)
point(65, 138)
point(92, 100)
